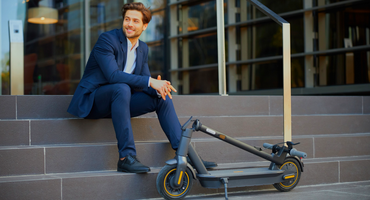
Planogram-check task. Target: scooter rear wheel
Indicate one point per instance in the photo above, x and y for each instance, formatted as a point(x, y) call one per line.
point(293, 168)
point(164, 187)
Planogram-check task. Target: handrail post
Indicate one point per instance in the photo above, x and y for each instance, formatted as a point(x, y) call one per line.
point(221, 48)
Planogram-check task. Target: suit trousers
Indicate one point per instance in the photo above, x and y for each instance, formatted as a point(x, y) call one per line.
point(117, 101)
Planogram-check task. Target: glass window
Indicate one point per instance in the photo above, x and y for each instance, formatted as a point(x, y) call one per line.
point(155, 29)
point(348, 68)
point(297, 72)
point(265, 39)
point(57, 48)
point(155, 59)
point(203, 81)
point(201, 16)
point(267, 75)
point(268, 40)
point(9, 10)
point(203, 50)
point(53, 52)
point(105, 15)
point(348, 27)
point(153, 4)
point(279, 6)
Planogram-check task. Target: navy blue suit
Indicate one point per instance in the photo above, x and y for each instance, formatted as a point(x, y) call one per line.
point(106, 91)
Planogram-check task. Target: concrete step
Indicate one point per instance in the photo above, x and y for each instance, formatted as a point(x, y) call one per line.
point(114, 185)
point(46, 153)
point(47, 159)
point(72, 131)
point(45, 107)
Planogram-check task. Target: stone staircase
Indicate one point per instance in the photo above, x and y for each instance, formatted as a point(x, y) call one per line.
point(46, 153)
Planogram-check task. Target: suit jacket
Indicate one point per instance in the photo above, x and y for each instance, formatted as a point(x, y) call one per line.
point(105, 65)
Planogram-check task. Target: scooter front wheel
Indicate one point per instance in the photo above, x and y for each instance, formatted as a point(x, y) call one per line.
point(293, 169)
point(165, 188)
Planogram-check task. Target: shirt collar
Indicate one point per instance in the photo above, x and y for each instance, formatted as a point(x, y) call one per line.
point(129, 45)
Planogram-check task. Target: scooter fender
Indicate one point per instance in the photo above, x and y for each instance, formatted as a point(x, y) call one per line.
point(299, 161)
point(174, 162)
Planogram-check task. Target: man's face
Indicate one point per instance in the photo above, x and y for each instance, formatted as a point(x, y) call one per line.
point(133, 24)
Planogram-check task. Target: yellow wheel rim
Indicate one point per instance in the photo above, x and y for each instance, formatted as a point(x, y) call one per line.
point(296, 177)
point(165, 180)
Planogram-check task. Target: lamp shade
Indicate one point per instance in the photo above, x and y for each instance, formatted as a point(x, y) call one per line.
point(43, 15)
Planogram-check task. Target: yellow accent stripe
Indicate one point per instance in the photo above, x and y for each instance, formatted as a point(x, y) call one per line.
point(288, 177)
point(180, 178)
point(286, 186)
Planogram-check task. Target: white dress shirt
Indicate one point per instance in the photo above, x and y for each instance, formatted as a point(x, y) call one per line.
point(131, 59)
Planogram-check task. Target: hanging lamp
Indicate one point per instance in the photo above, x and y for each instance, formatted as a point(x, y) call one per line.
point(43, 15)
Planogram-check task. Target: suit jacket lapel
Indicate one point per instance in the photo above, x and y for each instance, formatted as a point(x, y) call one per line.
point(139, 59)
point(123, 41)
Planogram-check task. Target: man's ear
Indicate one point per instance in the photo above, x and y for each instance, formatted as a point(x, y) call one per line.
point(144, 27)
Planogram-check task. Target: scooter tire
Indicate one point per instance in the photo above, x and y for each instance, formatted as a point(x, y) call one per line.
point(164, 187)
point(294, 167)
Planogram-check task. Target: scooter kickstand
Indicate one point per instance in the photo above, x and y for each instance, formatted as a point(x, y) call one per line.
point(225, 181)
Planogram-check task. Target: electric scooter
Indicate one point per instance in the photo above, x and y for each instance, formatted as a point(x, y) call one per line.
point(175, 179)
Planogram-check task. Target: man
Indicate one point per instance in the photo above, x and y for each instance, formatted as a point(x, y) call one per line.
point(117, 84)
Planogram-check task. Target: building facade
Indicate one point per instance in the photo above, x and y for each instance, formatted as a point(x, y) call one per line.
point(330, 45)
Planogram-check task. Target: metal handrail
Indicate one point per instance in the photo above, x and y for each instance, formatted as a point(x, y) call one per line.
point(286, 66)
point(286, 59)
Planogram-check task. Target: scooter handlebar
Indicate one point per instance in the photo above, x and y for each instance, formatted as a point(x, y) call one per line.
point(295, 152)
point(268, 145)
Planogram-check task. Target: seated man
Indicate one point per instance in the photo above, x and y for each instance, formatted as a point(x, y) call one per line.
point(117, 84)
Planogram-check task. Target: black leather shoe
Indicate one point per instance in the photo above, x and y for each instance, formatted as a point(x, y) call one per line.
point(132, 165)
point(206, 164)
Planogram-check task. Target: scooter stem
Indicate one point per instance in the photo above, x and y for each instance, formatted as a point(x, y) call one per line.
point(181, 153)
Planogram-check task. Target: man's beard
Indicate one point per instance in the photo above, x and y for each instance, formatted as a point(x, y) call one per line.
point(135, 35)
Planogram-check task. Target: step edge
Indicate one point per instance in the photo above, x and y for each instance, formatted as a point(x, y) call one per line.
point(155, 170)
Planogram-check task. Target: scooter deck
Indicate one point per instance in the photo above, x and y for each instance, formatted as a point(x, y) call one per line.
point(240, 177)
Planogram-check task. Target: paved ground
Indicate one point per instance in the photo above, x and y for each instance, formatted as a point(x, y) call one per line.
point(339, 191)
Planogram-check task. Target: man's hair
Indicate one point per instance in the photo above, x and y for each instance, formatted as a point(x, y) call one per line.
point(147, 15)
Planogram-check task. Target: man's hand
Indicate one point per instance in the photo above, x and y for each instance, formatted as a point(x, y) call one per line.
point(163, 87)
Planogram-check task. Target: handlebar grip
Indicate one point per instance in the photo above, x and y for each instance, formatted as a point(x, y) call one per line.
point(268, 145)
point(295, 152)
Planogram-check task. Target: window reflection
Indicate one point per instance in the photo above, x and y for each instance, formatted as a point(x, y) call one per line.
point(155, 29)
point(105, 15)
point(268, 39)
point(200, 16)
point(297, 72)
point(203, 81)
point(351, 24)
point(348, 68)
point(203, 50)
point(268, 75)
point(54, 52)
point(155, 59)
point(279, 6)
point(153, 4)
